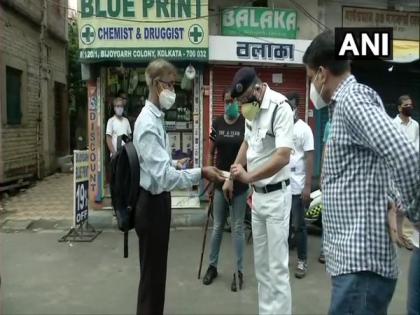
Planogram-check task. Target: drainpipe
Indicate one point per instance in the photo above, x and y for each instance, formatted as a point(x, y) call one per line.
point(42, 69)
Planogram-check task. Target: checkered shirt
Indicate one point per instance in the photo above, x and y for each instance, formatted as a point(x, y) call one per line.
point(366, 156)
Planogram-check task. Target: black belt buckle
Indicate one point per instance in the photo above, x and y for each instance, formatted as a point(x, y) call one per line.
point(272, 187)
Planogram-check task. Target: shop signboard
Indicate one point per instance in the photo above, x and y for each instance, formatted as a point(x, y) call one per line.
point(95, 179)
point(134, 30)
point(257, 50)
point(259, 22)
point(405, 24)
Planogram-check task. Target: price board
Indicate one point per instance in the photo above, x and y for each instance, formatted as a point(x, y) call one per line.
point(80, 186)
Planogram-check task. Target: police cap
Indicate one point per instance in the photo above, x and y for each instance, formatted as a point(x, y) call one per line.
point(242, 80)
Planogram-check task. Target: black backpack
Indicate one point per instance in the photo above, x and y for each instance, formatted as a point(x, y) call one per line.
point(125, 181)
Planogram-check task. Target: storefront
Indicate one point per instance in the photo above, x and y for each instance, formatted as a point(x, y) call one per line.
point(277, 62)
point(115, 51)
point(390, 78)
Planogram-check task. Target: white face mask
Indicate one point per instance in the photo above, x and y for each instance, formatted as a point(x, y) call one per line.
point(167, 98)
point(316, 97)
point(118, 110)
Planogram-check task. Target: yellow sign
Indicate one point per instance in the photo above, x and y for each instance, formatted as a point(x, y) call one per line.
point(136, 30)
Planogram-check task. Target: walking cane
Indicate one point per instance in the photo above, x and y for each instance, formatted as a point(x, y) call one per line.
point(235, 260)
point(210, 207)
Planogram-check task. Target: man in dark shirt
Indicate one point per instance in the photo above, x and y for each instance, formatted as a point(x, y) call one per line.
point(226, 138)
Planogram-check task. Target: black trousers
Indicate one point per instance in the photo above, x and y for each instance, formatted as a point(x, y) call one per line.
point(153, 220)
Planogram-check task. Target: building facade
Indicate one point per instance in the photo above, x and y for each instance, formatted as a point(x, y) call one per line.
point(390, 78)
point(34, 127)
point(271, 36)
point(115, 51)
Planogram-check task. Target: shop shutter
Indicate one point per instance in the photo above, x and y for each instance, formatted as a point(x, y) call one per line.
point(294, 80)
point(13, 96)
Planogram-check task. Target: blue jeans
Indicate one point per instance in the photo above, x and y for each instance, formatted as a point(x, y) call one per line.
point(364, 293)
point(299, 226)
point(220, 212)
point(413, 304)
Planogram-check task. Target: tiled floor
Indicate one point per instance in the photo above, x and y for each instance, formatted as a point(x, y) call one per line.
point(49, 199)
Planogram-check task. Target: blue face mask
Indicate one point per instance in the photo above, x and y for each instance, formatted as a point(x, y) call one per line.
point(232, 110)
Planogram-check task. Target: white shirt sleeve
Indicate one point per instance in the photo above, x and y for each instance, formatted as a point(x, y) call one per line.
point(308, 139)
point(109, 127)
point(159, 165)
point(283, 127)
point(416, 138)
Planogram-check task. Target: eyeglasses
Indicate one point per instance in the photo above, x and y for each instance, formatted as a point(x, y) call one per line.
point(170, 84)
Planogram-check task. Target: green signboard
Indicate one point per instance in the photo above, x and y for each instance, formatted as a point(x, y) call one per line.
point(259, 22)
point(136, 30)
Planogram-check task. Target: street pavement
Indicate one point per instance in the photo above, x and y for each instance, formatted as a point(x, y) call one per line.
point(49, 204)
point(50, 199)
point(42, 276)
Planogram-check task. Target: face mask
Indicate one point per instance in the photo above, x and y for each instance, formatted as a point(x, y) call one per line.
point(316, 97)
point(250, 110)
point(118, 111)
point(232, 110)
point(167, 98)
point(407, 111)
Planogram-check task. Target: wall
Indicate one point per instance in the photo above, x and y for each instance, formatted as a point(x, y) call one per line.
point(32, 10)
point(19, 48)
point(308, 29)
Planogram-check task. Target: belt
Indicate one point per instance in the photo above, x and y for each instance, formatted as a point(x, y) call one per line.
point(272, 187)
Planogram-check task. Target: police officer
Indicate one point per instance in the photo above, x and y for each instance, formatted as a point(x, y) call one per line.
point(158, 176)
point(266, 151)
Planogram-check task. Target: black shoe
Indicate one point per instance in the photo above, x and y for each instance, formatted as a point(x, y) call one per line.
point(210, 275)
point(240, 280)
point(321, 258)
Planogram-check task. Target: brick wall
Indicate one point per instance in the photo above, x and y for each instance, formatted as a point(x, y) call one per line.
point(19, 48)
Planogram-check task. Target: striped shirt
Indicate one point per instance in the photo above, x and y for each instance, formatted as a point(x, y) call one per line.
point(366, 155)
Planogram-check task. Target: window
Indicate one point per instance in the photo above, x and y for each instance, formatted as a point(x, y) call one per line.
point(13, 96)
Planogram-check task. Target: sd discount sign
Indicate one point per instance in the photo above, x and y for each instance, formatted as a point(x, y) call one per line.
point(134, 30)
point(81, 186)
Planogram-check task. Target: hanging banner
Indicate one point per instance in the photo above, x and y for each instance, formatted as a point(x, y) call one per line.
point(80, 187)
point(143, 30)
point(259, 22)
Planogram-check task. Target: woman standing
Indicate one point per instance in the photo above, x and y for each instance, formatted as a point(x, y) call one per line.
point(225, 140)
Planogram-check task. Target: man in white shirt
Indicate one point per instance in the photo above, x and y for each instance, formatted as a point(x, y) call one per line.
point(265, 151)
point(117, 126)
point(404, 121)
point(301, 167)
point(410, 128)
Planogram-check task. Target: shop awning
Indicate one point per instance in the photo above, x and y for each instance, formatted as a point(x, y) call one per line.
point(405, 51)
